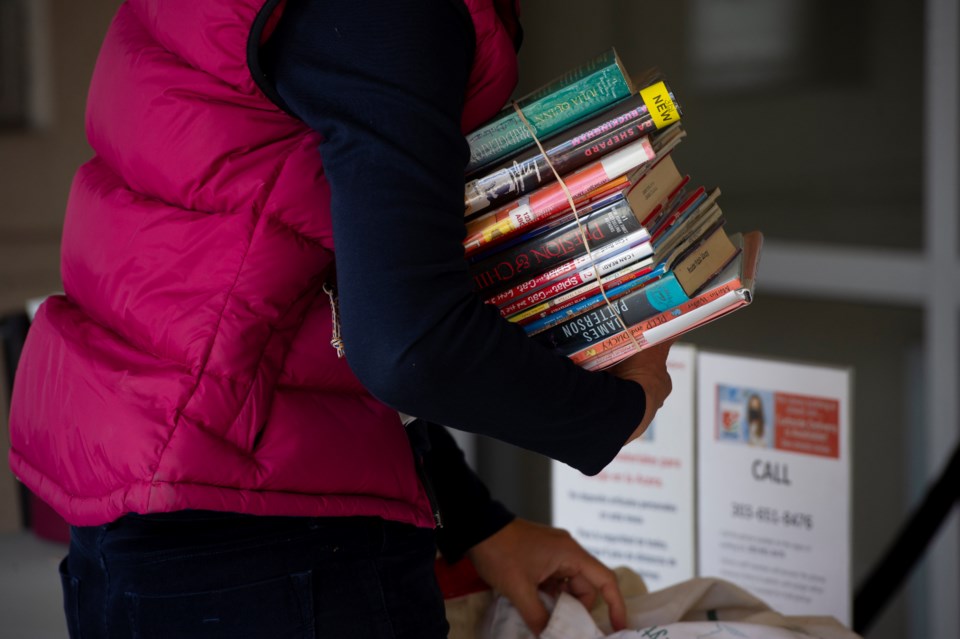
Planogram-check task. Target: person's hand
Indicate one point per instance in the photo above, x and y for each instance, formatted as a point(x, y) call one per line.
point(523, 556)
point(649, 369)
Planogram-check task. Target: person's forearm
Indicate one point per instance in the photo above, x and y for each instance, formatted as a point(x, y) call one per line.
point(384, 86)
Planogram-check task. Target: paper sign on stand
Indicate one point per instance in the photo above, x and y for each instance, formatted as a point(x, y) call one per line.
point(638, 512)
point(774, 481)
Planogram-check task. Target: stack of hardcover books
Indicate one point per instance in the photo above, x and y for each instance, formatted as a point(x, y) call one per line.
point(643, 258)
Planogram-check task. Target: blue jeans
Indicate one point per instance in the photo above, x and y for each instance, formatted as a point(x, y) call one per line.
point(203, 574)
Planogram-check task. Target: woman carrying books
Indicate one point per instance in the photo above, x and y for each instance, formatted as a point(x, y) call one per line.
point(225, 473)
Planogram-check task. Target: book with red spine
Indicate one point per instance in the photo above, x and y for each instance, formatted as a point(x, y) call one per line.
point(620, 216)
point(621, 258)
point(601, 225)
point(666, 290)
point(636, 274)
point(662, 181)
point(569, 268)
point(687, 205)
point(594, 200)
point(655, 187)
point(551, 200)
point(624, 283)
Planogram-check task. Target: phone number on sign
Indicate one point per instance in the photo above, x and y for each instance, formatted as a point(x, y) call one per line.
point(769, 515)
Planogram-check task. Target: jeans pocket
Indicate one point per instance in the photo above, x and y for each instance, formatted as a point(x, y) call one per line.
point(71, 599)
point(279, 608)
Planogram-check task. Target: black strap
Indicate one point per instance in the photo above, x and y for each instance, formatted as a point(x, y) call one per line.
point(888, 576)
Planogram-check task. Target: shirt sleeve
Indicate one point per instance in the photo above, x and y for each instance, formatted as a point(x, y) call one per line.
point(383, 82)
point(468, 514)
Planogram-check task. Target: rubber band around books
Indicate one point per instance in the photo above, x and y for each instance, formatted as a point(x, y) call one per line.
point(576, 217)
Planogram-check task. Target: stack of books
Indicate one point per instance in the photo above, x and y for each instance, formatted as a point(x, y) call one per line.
point(645, 255)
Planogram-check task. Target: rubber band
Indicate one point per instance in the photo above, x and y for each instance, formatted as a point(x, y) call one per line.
point(576, 217)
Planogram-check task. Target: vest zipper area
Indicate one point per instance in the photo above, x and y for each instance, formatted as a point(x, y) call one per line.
point(420, 445)
point(428, 488)
point(253, 55)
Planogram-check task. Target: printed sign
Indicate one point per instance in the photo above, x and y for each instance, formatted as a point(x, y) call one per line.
point(638, 511)
point(774, 481)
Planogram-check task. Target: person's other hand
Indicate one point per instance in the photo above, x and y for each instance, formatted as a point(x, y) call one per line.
point(649, 369)
point(523, 556)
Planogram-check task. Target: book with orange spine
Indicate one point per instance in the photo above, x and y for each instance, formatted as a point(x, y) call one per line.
point(551, 200)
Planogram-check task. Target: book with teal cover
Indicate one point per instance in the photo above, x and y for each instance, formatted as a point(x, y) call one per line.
point(568, 99)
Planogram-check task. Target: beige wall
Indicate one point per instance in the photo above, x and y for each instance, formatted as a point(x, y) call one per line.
point(37, 164)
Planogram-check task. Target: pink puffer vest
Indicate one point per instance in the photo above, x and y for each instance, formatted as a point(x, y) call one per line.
point(189, 363)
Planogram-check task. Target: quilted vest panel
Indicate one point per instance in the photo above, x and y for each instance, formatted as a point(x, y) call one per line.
point(188, 364)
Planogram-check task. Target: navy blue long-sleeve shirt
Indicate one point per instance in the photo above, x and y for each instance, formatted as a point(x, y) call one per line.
point(383, 81)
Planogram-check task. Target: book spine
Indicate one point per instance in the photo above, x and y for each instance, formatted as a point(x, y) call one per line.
point(722, 299)
point(589, 274)
point(571, 266)
point(551, 200)
point(586, 303)
point(567, 151)
point(635, 274)
point(555, 247)
point(519, 179)
point(582, 331)
point(596, 200)
point(609, 359)
point(663, 228)
point(567, 103)
point(711, 304)
point(600, 61)
point(525, 175)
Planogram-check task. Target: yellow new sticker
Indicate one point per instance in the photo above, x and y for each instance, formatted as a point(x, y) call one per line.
point(659, 105)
